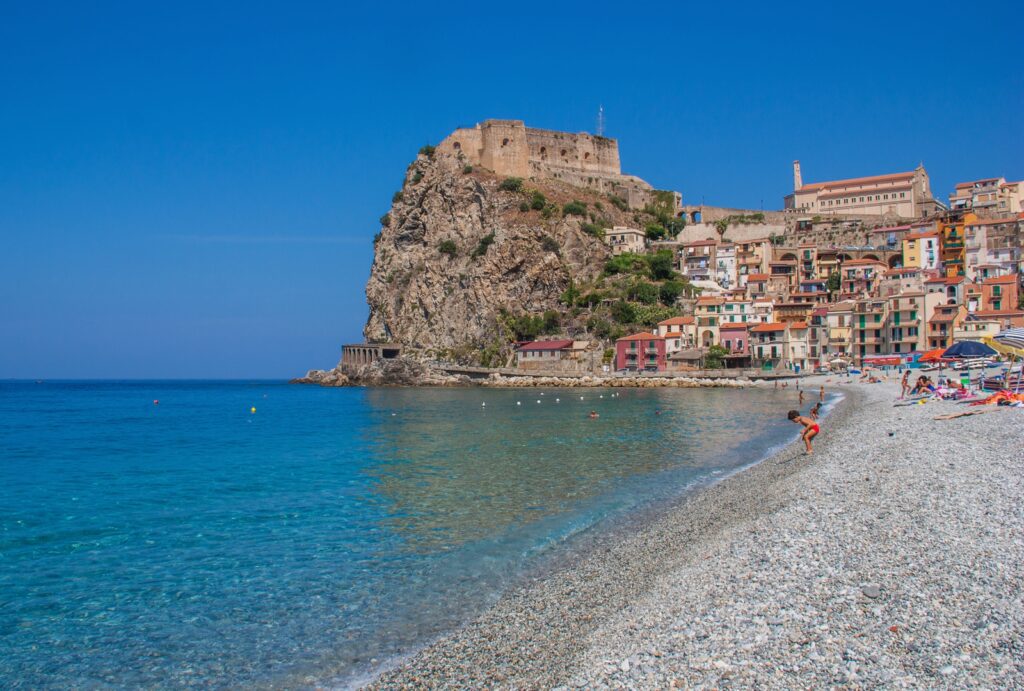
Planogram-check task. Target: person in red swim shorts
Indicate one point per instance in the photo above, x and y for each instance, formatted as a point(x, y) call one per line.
point(811, 428)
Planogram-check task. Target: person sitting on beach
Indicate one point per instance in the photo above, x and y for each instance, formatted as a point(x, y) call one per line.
point(811, 428)
point(921, 386)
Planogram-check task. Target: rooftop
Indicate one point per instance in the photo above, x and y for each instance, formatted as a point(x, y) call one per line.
point(871, 179)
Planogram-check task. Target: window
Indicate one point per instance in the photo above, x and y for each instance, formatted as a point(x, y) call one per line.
point(902, 195)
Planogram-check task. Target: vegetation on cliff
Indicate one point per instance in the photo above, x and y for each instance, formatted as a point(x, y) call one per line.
point(466, 263)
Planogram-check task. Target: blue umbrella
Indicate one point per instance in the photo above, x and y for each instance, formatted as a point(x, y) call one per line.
point(967, 349)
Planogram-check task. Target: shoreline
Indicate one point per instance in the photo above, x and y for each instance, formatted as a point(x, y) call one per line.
point(635, 609)
point(526, 613)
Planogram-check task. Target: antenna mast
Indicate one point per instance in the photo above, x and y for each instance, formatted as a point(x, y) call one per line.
point(600, 121)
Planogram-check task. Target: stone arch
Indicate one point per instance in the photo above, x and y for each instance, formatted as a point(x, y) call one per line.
point(895, 261)
point(543, 153)
point(872, 256)
point(456, 145)
point(707, 338)
point(694, 217)
point(505, 141)
point(843, 257)
point(788, 257)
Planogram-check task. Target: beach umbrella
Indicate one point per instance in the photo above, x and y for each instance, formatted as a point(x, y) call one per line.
point(968, 350)
point(932, 355)
point(1011, 337)
point(965, 350)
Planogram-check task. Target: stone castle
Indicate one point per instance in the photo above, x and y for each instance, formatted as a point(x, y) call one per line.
point(510, 148)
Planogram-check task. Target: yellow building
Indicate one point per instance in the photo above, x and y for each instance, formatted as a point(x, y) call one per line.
point(952, 230)
point(922, 250)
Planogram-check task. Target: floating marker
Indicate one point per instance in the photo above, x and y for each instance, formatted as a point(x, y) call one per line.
point(156, 401)
point(484, 403)
point(518, 403)
point(556, 400)
point(538, 400)
point(253, 409)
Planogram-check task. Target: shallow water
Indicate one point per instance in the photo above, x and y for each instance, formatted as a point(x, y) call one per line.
point(194, 543)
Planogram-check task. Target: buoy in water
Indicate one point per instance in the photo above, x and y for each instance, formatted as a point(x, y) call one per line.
point(253, 409)
point(519, 403)
point(156, 401)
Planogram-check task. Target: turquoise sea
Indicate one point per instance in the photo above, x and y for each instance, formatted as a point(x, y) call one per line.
point(162, 535)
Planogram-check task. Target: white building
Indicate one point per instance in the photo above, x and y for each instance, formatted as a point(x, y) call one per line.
point(725, 265)
point(622, 239)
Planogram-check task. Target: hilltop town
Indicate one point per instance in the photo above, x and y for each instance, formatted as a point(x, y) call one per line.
point(514, 248)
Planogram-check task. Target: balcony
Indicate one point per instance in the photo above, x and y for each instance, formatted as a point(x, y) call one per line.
point(651, 351)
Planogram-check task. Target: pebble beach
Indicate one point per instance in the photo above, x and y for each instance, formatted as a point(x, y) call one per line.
point(892, 557)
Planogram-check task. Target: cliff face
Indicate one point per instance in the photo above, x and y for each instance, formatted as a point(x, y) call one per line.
point(455, 250)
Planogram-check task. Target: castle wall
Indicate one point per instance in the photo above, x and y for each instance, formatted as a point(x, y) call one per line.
point(511, 149)
point(581, 153)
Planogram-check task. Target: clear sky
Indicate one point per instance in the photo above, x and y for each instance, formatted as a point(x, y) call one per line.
point(191, 190)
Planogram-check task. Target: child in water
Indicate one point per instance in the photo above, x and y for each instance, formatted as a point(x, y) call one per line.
point(811, 428)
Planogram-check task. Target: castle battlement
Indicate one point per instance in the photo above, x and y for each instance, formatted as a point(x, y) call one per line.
point(510, 148)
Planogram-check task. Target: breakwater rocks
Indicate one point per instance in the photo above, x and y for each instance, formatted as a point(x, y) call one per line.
point(394, 372)
point(503, 381)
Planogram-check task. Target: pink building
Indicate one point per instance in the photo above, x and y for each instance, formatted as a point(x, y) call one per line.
point(640, 352)
point(734, 338)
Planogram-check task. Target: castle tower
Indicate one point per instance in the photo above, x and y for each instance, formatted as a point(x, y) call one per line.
point(797, 180)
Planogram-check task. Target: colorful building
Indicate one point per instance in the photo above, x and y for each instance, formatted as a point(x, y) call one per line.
point(640, 352)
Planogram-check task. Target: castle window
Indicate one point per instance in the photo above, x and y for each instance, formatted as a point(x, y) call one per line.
point(543, 153)
point(505, 141)
point(564, 152)
point(586, 156)
point(456, 146)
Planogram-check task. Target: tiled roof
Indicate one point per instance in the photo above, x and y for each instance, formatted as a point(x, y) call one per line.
point(772, 326)
point(757, 277)
point(1001, 280)
point(546, 345)
point(642, 336)
point(857, 181)
point(676, 321)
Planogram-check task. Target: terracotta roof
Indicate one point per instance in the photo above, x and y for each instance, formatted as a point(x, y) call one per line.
point(709, 300)
point(798, 325)
point(992, 221)
point(757, 277)
point(733, 325)
point(674, 321)
point(642, 336)
point(771, 326)
point(1001, 280)
point(862, 262)
point(857, 181)
point(999, 313)
point(902, 270)
point(922, 235)
point(546, 345)
point(819, 311)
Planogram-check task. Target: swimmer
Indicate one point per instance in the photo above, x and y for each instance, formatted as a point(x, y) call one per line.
point(593, 415)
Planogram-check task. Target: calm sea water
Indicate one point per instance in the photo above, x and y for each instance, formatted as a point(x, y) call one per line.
point(195, 543)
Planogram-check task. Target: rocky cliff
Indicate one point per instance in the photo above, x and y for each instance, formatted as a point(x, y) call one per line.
point(460, 246)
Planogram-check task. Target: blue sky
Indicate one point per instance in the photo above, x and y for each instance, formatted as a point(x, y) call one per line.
point(188, 191)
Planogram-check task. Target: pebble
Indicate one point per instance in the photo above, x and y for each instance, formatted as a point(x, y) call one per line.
point(773, 578)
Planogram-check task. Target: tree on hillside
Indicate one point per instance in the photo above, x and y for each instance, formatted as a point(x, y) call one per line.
point(833, 282)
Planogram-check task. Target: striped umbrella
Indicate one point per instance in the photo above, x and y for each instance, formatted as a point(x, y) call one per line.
point(1011, 337)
